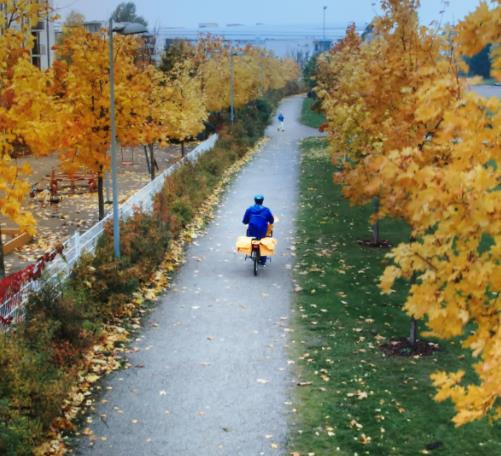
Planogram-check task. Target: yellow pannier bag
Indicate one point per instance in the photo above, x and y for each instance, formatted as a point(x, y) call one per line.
point(267, 247)
point(244, 245)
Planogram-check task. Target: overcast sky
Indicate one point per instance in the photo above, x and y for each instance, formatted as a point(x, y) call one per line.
point(174, 13)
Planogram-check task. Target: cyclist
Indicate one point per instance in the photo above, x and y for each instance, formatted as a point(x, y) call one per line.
point(257, 218)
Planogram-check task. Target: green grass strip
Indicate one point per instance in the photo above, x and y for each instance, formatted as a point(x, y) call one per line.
point(359, 401)
point(309, 117)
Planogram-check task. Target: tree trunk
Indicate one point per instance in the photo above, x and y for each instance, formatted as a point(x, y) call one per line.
point(100, 195)
point(2, 262)
point(148, 164)
point(107, 186)
point(375, 227)
point(413, 334)
point(182, 148)
point(152, 161)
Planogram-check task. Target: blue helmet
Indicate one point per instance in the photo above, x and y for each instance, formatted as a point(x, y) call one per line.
point(259, 199)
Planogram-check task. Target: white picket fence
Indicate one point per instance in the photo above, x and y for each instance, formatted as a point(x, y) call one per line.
point(86, 242)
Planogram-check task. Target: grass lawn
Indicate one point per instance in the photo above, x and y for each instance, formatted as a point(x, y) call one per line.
point(311, 118)
point(487, 81)
point(359, 401)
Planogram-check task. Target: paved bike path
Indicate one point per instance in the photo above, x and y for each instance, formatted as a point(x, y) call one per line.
point(214, 377)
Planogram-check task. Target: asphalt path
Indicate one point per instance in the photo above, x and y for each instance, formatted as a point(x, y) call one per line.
point(212, 375)
point(488, 90)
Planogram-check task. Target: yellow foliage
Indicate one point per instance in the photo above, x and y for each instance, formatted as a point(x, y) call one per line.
point(430, 151)
point(67, 109)
point(255, 72)
point(27, 110)
point(82, 82)
point(482, 27)
point(188, 102)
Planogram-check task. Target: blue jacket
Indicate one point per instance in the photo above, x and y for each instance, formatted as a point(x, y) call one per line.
point(257, 217)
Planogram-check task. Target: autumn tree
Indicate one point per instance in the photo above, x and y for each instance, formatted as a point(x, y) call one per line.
point(189, 104)
point(74, 19)
point(176, 53)
point(371, 95)
point(253, 71)
point(456, 203)
point(214, 71)
point(181, 64)
point(309, 72)
point(159, 110)
point(26, 109)
point(338, 75)
point(376, 104)
point(272, 73)
point(203, 75)
point(126, 12)
point(82, 84)
point(480, 28)
point(428, 149)
point(173, 101)
point(151, 107)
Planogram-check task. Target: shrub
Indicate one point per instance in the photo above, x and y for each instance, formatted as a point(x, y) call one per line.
point(32, 389)
point(54, 318)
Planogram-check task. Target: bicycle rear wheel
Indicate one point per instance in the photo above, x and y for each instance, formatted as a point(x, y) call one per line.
point(256, 261)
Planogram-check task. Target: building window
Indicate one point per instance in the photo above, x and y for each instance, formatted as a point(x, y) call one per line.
point(36, 51)
point(40, 25)
point(36, 43)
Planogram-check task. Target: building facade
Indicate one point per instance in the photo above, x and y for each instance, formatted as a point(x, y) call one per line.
point(42, 30)
point(44, 38)
point(299, 42)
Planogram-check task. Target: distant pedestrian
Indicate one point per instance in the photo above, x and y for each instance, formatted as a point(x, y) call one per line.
point(281, 120)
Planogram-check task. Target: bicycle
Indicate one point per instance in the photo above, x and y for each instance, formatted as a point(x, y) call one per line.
point(253, 248)
point(255, 254)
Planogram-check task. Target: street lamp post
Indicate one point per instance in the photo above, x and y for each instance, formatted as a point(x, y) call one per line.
point(261, 74)
point(232, 83)
point(232, 88)
point(325, 9)
point(124, 28)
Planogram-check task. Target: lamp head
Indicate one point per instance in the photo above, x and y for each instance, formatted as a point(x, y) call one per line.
point(129, 28)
